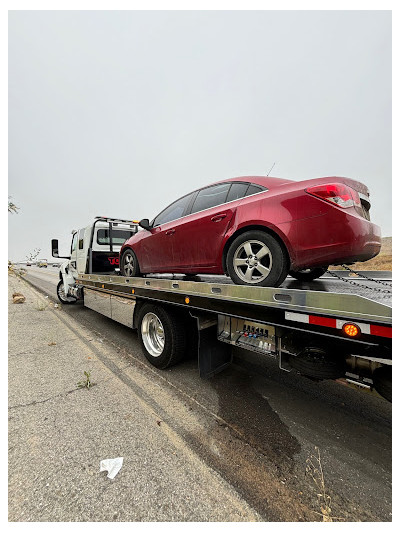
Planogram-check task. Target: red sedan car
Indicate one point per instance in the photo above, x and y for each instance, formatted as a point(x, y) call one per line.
point(257, 230)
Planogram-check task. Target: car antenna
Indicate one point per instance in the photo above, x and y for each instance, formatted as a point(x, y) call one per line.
point(271, 169)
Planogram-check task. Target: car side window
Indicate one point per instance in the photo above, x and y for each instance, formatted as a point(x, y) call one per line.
point(173, 211)
point(253, 189)
point(210, 197)
point(237, 190)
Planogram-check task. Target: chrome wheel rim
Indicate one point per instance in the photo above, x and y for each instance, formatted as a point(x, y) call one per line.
point(252, 261)
point(61, 294)
point(153, 334)
point(129, 265)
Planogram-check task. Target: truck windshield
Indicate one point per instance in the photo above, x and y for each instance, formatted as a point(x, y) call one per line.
point(118, 236)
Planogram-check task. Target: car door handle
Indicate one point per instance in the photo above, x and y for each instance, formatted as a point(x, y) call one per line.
point(170, 232)
point(217, 218)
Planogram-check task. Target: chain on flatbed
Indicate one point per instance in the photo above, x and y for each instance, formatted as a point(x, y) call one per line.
point(387, 293)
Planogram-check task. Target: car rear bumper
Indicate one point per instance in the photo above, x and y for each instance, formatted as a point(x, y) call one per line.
point(335, 237)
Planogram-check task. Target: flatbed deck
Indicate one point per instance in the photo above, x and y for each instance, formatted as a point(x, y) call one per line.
point(210, 293)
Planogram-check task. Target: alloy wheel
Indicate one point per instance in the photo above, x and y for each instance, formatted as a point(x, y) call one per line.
point(252, 261)
point(129, 265)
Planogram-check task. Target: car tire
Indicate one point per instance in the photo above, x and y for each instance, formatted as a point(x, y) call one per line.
point(316, 363)
point(382, 379)
point(257, 259)
point(308, 274)
point(162, 336)
point(66, 300)
point(129, 266)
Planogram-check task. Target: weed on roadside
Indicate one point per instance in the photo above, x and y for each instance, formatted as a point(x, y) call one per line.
point(314, 470)
point(87, 382)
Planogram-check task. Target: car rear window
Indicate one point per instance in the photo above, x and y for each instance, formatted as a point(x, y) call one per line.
point(118, 236)
point(253, 189)
point(237, 190)
point(210, 197)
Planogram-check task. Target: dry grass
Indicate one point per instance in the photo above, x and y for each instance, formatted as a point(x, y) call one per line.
point(315, 471)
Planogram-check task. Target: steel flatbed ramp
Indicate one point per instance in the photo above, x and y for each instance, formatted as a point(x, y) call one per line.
point(242, 300)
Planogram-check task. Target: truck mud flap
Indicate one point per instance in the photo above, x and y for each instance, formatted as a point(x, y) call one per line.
point(213, 356)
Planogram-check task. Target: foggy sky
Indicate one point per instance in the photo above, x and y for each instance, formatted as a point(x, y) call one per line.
point(119, 113)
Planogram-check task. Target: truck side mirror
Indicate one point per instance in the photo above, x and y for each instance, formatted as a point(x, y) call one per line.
point(145, 224)
point(54, 248)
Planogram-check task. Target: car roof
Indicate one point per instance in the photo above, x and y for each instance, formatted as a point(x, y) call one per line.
point(264, 181)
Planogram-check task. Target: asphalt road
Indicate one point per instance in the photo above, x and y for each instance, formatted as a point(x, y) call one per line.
point(259, 427)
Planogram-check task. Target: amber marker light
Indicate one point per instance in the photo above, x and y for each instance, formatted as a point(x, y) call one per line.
point(187, 300)
point(133, 291)
point(351, 330)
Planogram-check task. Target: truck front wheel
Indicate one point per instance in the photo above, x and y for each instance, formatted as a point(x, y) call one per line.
point(162, 336)
point(61, 294)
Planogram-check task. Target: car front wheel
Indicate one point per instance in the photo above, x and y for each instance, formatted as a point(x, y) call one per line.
point(256, 258)
point(129, 266)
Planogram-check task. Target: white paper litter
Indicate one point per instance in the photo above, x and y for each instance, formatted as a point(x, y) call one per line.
point(112, 466)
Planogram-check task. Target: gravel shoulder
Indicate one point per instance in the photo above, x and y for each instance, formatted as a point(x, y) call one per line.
point(59, 433)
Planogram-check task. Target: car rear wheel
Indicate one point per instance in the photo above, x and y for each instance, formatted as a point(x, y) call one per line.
point(129, 266)
point(256, 258)
point(308, 274)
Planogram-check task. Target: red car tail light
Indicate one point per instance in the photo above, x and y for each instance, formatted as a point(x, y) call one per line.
point(337, 193)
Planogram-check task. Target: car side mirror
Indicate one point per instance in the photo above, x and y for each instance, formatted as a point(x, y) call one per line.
point(145, 224)
point(54, 250)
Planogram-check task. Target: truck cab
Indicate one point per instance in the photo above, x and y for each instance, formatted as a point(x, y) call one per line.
point(94, 250)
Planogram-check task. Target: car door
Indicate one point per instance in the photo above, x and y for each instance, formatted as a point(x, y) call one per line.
point(157, 247)
point(198, 238)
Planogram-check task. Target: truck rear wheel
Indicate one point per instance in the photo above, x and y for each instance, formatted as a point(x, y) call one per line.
point(382, 379)
point(162, 336)
point(318, 364)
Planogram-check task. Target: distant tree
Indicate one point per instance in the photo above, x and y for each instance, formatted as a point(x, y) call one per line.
point(12, 208)
point(32, 256)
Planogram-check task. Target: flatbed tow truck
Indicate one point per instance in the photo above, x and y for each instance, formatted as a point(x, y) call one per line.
point(322, 335)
